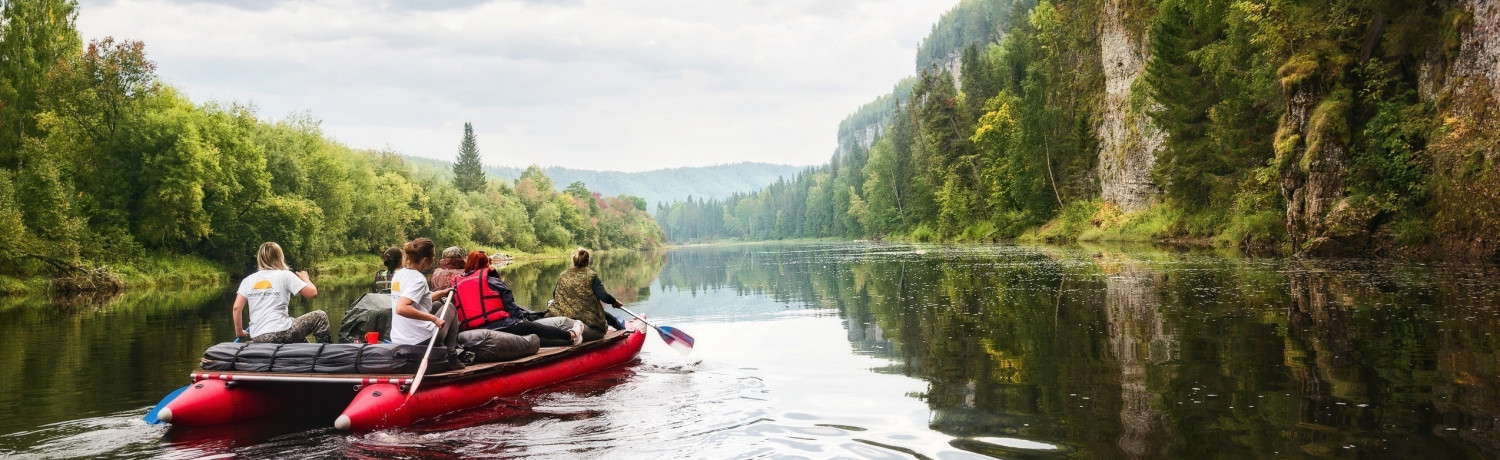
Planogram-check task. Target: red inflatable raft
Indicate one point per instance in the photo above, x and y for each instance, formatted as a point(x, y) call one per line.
point(373, 402)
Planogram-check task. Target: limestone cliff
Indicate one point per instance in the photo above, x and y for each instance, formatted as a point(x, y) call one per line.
point(1313, 146)
point(1461, 81)
point(1128, 141)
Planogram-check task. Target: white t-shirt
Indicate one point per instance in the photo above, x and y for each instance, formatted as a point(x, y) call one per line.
point(410, 284)
point(268, 293)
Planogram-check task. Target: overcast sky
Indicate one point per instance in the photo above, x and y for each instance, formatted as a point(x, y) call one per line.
point(615, 85)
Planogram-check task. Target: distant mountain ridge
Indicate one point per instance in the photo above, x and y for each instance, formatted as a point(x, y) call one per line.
point(655, 186)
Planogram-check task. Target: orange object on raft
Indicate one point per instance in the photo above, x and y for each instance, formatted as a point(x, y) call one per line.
point(371, 402)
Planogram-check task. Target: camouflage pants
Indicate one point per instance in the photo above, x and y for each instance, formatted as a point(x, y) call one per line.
point(314, 322)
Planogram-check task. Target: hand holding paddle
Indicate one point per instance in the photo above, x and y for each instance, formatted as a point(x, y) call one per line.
point(422, 369)
point(678, 340)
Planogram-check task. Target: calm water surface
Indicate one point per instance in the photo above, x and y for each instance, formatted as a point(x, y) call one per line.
point(856, 350)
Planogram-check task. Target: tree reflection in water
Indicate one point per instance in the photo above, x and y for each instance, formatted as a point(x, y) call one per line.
point(1019, 352)
point(1144, 353)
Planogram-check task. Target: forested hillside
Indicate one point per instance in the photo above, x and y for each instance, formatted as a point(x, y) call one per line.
point(1319, 127)
point(104, 168)
point(656, 186)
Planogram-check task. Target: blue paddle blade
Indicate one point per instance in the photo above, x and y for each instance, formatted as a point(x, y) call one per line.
point(151, 417)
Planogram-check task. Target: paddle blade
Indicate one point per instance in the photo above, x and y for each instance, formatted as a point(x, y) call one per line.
point(421, 370)
point(152, 416)
point(678, 340)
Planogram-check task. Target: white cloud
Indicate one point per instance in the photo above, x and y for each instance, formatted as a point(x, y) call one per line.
point(588, 84)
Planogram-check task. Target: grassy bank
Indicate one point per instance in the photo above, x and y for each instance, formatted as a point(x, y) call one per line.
point(154, 270)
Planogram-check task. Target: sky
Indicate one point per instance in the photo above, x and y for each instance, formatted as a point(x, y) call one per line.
point(607, 85)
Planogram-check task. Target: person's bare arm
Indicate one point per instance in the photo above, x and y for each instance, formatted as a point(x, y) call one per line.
point(404, 308)
point(309, 291)
point(239, 307)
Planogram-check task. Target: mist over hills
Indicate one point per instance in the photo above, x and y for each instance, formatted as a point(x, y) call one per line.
point(655, 186)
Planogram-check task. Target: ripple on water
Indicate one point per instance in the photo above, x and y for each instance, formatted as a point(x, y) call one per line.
point(120, 434)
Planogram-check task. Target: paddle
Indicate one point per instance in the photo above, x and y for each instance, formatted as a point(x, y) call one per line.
point(674, 338)
point(422, 368)
point(153, 416)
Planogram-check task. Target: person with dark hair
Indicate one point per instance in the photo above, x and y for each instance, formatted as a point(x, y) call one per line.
point(414, 319)
point(486, 301)
point(449, 268)
point(268, 293)
point(392, 260)
point(577, 296)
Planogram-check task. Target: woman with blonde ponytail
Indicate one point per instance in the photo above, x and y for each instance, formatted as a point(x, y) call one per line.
point(268, 293)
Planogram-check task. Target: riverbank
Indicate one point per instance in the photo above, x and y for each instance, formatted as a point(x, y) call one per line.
point(163, 270)
point(155, 270)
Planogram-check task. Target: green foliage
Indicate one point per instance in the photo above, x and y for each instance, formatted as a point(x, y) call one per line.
point(1213, 107)
point(114, 169)
point(468, 171)
point(970, 22)
point(1006, 147)
point(1071, 221)
point(34, 36)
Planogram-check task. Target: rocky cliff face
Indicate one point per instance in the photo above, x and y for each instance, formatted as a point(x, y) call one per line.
point(1474, 71)
point(1312, 149)
point(1128, 141)
point(1313, 146)
point(1465, 155)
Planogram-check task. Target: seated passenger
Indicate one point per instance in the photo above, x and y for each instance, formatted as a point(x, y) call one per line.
point(269, 292)
point(392, 261)
point(485, 301)
point(449, 268)
point(577, 295)
point(413, 321)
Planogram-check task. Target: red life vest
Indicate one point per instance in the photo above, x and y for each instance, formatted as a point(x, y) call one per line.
point(478, 303)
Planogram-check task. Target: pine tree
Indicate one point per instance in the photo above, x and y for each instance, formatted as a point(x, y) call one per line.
point(468, 173)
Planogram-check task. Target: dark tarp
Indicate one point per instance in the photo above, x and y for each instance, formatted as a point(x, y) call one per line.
point(329, 358)
point(372, 312)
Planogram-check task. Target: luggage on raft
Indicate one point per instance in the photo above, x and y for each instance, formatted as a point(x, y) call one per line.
point(488, 345)
point(372, 312)
point(324, 358)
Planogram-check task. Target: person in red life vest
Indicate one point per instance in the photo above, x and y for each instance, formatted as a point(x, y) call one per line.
point(485, 301)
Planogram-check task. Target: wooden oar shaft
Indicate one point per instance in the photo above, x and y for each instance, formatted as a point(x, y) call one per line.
point(643, 320)
point(422, 368)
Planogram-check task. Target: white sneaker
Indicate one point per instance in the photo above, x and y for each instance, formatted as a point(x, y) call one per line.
point(577, 332)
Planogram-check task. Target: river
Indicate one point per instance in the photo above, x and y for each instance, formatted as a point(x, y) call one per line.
point(870, 350)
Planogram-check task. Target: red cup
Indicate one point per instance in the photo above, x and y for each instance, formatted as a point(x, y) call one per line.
point(372, 337)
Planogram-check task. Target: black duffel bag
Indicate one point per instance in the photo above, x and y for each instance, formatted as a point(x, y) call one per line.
point(324, 358)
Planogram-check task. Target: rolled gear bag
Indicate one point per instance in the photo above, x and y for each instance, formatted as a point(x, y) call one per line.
point(372, 312)
point(324, 358)
point(488, 345)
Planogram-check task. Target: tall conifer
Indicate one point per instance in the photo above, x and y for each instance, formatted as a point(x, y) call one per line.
point(468, 173)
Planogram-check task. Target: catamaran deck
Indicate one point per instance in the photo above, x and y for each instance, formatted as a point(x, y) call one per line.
point(544, 355)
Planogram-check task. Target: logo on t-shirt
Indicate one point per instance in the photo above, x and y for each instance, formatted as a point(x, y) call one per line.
point(262, 284)
point(396, 286)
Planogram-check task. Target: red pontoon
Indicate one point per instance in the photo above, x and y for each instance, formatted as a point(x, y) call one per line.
point(372, 402)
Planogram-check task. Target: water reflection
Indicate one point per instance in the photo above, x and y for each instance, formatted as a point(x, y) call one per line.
point(1137, 337)
point(884, 351)
point(1143, 354)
